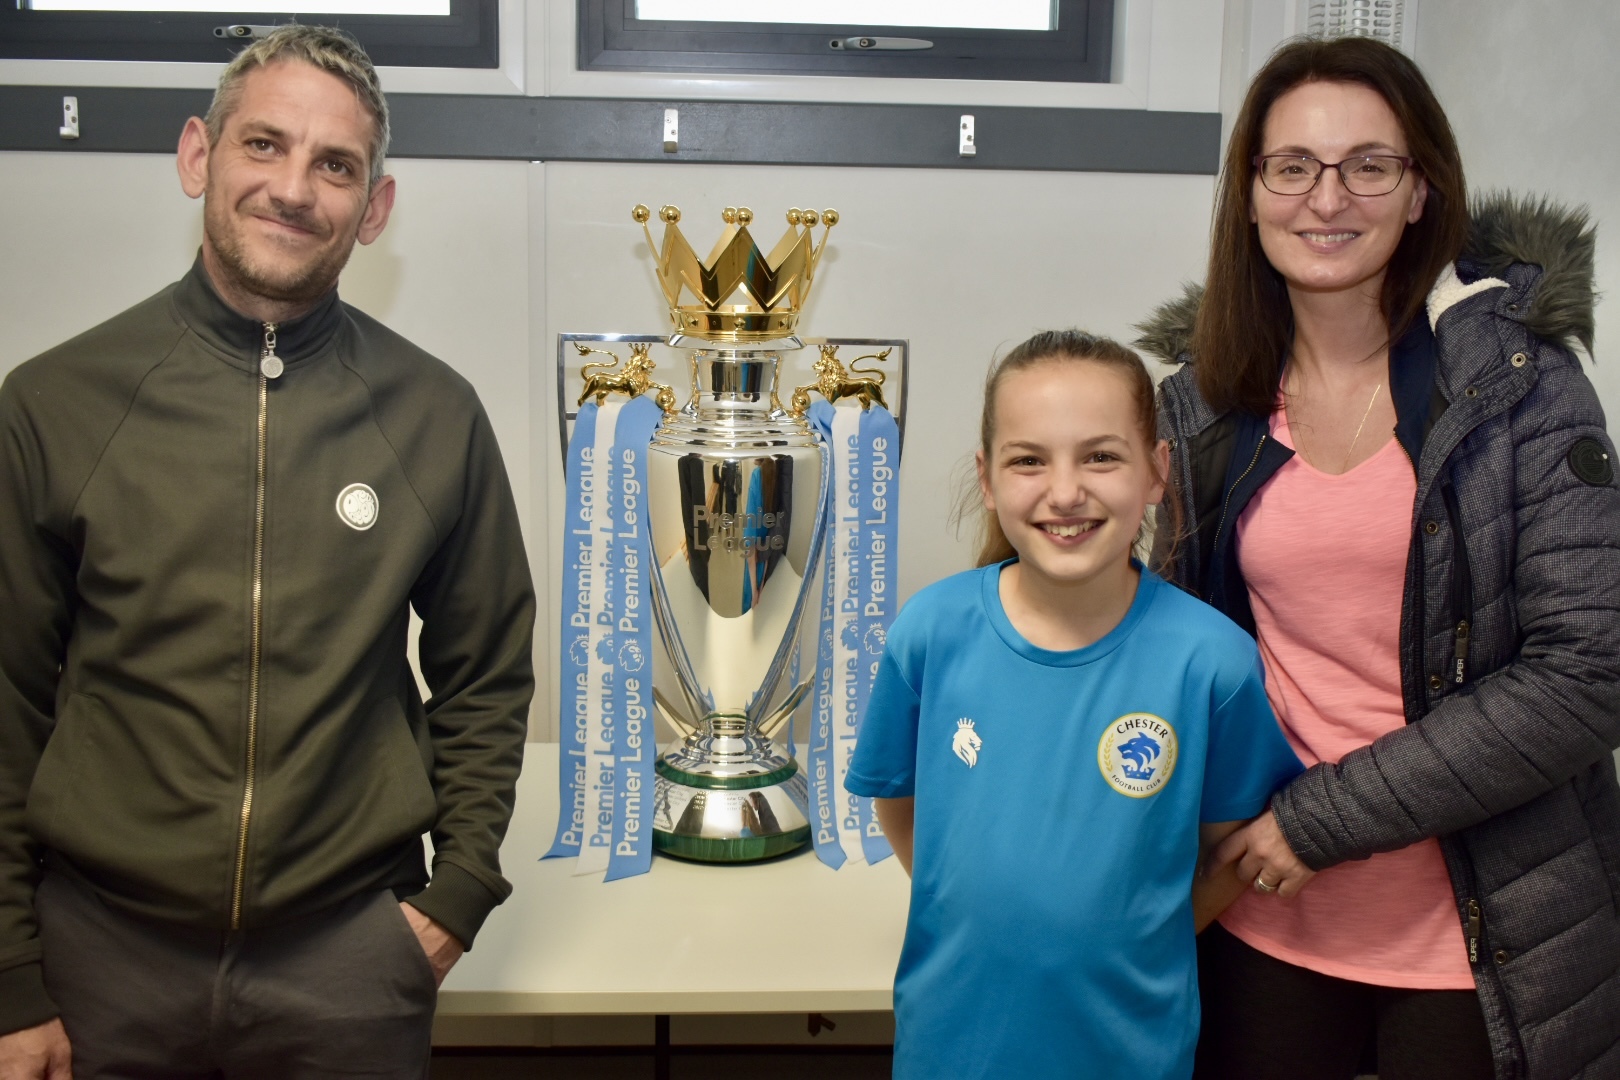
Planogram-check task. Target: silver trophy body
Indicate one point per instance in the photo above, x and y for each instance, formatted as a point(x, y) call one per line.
point(735, 505)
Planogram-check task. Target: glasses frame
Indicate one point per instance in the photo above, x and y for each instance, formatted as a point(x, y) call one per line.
point(1258, 162)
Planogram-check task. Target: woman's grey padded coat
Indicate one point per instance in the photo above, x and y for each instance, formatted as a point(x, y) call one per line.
point(1511, 767)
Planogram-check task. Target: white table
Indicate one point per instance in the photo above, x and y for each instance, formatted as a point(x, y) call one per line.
point(683, 938)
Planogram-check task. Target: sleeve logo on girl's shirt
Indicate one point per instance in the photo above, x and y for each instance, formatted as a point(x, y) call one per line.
point(1137, 754)
point(966, 742)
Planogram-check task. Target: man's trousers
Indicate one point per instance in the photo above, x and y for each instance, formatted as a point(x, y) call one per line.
point(345, 992)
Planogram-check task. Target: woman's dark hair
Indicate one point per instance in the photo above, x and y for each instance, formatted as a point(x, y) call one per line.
point(1245, 323)
point(1050, 347)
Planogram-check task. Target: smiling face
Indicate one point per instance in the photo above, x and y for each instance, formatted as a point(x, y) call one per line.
point(285, 188)
point(1069, 474)
point(1330, 240)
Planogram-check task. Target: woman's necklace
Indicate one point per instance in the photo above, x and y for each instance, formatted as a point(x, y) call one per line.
point(1350, 450)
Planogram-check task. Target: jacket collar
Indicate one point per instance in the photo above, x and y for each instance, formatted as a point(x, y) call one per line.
point(239, 339)
point(1413, 361)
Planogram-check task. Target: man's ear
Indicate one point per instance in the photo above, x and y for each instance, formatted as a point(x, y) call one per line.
point(379, 204)
point(191, 162)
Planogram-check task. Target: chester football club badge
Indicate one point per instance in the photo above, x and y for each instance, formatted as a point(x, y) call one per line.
point(1137, 754)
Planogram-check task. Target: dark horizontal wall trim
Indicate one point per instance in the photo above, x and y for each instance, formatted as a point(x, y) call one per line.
point(713, 132)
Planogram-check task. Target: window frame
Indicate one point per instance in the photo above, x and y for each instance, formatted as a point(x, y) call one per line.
point(610, 38)
point(469, 37)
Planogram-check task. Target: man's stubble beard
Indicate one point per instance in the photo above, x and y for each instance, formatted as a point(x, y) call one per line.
point(303, 285)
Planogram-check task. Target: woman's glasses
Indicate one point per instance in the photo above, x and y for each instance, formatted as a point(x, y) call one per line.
point(1297, 174)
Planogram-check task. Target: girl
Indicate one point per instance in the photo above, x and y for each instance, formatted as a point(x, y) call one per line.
point(1045, 735)
point(1398, 478)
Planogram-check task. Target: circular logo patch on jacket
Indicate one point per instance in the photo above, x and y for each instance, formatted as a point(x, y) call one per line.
point(357, 506)
point(1589, 461)
point(1137, 754)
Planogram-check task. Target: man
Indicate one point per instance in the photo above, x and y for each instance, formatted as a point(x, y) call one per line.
point(216, 512)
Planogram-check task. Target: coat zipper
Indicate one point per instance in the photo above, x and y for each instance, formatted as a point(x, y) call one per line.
point(1417, 550)
point(1476, 924)
point(1226, 504)
point(270, 367)
point(1462, 585)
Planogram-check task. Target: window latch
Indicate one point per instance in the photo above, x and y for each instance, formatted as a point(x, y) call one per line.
point(242, 31)
point(868, 44)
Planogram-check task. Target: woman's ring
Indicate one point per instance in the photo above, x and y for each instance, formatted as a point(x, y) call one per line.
point(1261, 886)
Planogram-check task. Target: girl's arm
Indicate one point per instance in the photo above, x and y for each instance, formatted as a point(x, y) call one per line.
point(897, 816)
point(1215, 885)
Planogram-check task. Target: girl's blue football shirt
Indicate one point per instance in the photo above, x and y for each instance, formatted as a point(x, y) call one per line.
point(1059, 796)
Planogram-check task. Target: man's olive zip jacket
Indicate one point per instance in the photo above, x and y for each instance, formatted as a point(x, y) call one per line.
point(206, 577)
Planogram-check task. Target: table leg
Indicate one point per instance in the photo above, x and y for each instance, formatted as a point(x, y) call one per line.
point(661, 1051)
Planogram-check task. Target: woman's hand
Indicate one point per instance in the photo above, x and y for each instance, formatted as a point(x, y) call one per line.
point(1263, 857)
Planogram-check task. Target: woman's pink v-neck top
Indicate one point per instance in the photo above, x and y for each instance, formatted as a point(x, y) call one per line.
point(1325, 561)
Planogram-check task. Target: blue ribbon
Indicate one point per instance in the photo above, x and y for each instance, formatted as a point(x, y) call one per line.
point(865, 534)
point(573, 634)
point(634, 744)
point(877, 538)
point(819, 752)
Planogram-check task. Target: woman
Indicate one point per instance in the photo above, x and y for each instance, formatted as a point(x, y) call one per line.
point(1396, 476)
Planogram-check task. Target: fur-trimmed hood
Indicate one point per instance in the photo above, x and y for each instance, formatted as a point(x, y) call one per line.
point(1505, 230)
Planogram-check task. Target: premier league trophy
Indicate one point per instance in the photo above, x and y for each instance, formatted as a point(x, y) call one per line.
point(718, 512)
point(735, 502)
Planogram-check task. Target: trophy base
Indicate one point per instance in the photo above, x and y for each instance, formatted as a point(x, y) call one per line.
point(730, 819)
point(741, 849)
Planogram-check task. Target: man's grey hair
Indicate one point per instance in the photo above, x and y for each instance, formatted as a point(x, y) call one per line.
point(325, 47)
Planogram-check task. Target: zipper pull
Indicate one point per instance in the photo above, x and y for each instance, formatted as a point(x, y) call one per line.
point(1460, 675)
point(270, 365)
point(1475, 919)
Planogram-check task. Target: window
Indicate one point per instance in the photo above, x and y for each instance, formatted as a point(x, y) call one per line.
point(1040, 40)
point(403, 33)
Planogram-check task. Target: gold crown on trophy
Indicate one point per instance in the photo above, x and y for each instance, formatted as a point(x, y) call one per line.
point(738, 294)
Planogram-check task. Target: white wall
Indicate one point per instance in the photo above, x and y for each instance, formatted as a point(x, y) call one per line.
point(1532, 91)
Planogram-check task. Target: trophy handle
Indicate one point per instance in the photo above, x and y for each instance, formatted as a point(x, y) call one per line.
point(631, 380)
point(834, 381)
point(774, 722)
point(667, 710)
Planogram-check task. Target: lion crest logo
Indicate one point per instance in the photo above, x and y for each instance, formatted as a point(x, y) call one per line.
point(631, 657)
point(966, 743)
point(579, 650)
point(876, 638)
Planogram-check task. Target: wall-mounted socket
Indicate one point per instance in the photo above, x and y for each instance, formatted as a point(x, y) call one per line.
point(965, 146)
point(70, 118)
point(672, 130)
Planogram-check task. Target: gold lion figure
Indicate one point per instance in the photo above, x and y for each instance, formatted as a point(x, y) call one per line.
point(632, 380)
point(834, 381)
